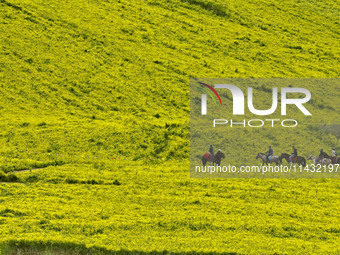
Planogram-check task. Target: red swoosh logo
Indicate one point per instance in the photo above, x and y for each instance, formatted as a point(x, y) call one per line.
point(213, 90)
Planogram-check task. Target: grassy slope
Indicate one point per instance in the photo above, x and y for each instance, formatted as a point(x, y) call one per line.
point(157, 207)
point(128, 65)
point(111, 79)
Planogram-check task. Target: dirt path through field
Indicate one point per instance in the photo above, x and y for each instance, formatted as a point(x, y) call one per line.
point(26, 170)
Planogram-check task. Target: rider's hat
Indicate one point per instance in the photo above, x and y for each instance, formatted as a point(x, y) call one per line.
point(219, 150)
point(333, 148)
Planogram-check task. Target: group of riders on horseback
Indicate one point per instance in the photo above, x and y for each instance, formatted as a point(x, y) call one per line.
point(323, 158)
point(268, 157)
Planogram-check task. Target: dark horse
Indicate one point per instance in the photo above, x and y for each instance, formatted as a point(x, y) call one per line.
point(216, 159)
point(299, 160)
point(335, 160)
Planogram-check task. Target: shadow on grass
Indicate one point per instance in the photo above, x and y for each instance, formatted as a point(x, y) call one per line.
point(67, 248)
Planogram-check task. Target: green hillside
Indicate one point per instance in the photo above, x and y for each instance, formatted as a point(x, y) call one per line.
point(96, 93)
point(97, 69)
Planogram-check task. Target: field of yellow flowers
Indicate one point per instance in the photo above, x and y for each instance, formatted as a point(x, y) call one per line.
point(95, 126)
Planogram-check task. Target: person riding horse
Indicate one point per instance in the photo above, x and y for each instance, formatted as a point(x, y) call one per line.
point(334, 155)
point(216, 159)
point(294, 154)
point(211, 151)
point(270, 153)
point(321, 156)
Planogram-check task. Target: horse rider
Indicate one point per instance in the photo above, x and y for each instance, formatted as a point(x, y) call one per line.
point(211, 151)
point(294, 154)
point(270, 153)
point(334, 155)
point(320, 157)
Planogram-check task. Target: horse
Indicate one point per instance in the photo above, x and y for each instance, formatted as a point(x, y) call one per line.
point(299, 160)
point(324, 161)
point(263, 156)
point(216, 159)
point(325, 155)
point(335, 160)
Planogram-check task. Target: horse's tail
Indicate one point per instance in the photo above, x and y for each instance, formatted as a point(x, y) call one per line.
point(204, 160)
point(303, 162)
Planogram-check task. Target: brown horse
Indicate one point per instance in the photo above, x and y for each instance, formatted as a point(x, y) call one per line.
point(215, 159)
point(335, 160)
point(299, 160)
